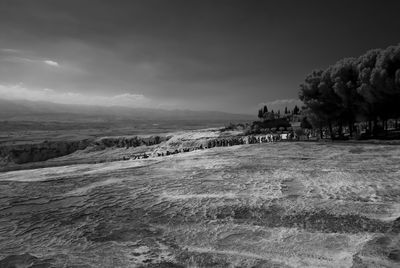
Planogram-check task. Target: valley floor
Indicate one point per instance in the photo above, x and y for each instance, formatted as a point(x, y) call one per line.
point(262, 205)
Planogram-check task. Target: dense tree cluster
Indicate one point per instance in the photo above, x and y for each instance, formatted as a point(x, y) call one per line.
point(363, 89)
point(296, 110)
point(264, 114)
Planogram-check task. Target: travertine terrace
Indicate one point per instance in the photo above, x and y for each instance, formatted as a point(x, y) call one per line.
point(282, 205)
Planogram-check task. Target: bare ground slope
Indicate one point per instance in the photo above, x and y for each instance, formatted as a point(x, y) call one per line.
point(263, 205)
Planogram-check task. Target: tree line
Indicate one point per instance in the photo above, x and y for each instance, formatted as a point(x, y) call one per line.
point(361, 89)
point(264, 114)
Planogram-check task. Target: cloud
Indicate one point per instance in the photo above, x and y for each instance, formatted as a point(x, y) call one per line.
point(18, 59)
point(18, 91)
point(51, 63)
point(10, 50)
point(16, 55)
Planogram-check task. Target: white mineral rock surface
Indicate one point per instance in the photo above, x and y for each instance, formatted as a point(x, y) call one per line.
point(263, 205)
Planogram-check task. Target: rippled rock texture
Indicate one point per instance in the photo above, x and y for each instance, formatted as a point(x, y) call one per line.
point(26, 153)
point(264, 205)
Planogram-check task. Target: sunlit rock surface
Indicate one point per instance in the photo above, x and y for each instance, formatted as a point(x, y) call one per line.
point(263, 205)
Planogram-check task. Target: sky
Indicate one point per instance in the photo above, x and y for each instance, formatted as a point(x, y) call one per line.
point(223, 55)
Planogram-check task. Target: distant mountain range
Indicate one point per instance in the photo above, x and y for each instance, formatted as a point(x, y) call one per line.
point(48, 111)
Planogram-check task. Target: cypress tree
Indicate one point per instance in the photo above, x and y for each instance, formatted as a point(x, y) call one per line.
point(260, 113)
point(265, 109)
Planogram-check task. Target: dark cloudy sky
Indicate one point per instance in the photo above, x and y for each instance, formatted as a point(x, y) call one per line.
point(202, 55)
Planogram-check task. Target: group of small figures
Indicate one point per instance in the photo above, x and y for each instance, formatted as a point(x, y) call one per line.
point(290, 136)
point(158, 154)
point(221, 142)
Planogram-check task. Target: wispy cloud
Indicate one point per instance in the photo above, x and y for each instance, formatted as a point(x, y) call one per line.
point(10, 50)
point(17, 59)
point(20, 56)
point(19, 91)
point(51, 63)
